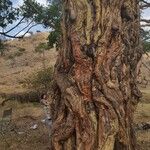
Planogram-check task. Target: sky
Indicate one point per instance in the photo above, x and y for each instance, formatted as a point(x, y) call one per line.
point(16, 3)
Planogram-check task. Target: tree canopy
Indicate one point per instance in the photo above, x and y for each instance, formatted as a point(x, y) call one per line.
point(32, 13)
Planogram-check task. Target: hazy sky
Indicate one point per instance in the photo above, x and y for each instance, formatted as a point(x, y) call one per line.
point(145, 14)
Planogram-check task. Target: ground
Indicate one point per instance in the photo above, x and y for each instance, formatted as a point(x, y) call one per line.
point(26, 114)
point(142, 114)
point(25, 117)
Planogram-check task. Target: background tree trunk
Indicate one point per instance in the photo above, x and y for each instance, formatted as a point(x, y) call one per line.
point(95, 91)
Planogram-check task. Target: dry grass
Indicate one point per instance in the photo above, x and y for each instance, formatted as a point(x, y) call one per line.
point(25, 64)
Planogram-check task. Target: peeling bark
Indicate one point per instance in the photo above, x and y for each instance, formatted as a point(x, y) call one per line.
point(95, 92)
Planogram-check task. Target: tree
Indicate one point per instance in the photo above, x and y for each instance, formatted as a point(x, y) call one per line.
point(95, 92)
point(28, 14)
point(31, 14)
point(54, 14)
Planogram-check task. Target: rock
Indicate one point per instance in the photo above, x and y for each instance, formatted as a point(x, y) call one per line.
point(34, 126)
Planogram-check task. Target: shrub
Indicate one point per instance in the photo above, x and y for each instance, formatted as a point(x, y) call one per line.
point(39, 81)
point(146, 46)
point(21, 49)
point(10, 56)
point(18, 54)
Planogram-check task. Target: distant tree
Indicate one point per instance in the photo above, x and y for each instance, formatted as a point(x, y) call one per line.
point(55, 13)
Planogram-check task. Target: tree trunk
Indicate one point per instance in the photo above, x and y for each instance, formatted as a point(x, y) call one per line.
point(95, 91)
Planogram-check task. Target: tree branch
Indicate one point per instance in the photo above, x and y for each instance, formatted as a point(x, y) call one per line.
point(24, 28)
point(30, 28)
point(145, 20)
point(144, 4)
point(15, 36)
point(15, 25)
point(145, 25)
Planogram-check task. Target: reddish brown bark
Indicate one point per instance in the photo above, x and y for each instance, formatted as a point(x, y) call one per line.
point(95, 91)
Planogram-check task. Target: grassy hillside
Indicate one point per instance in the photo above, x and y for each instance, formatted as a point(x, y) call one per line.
point(26, 61)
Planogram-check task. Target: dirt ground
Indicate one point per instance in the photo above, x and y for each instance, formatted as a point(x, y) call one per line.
point(24, 119)
point(27, 115)
point(142, 114)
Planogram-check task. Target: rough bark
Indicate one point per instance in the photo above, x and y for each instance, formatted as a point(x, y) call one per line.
point(95, 92)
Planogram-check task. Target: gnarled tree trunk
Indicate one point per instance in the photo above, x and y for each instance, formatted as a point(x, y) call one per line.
point(95, 92)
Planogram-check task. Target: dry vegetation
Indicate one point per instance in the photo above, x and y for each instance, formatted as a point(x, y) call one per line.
point(142, 113)
point(28, 62)
point(27, 114)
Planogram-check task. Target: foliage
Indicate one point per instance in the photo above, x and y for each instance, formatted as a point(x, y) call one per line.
point(54, 38)
point(145, 35)
point(39, 81)
point(21, 49)
point(32, 10)
point(49, 16)
point(41, 47)
point(54, 14)
point(146, 46)
point(7, 13)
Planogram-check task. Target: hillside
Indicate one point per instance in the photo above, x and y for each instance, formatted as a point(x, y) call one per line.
point(26, 61)
point(14, 70)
